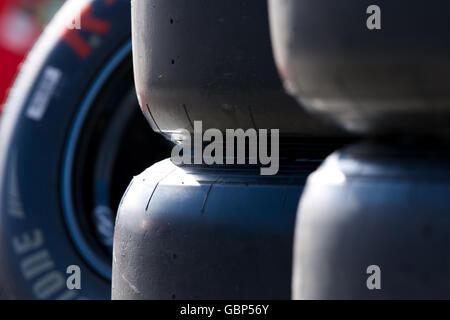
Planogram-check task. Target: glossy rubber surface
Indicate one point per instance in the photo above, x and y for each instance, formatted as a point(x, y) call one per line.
point(212, 61)
point(376, 205)
point(203, 233)
point(387, 81)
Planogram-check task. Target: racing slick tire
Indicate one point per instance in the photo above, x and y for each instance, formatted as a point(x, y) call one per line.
point(195, 232)
point(371, 68)
point(373, 223)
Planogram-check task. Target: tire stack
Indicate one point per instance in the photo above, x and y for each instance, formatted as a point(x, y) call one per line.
point(222, 231)
point(374, 220)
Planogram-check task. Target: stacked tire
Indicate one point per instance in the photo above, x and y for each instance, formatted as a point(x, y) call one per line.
point(222, 231)
point(373, 222)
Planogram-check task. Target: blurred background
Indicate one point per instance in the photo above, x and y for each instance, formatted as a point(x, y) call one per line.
point(21, 22)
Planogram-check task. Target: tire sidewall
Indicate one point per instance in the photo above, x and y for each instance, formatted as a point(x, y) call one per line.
point(35, 246)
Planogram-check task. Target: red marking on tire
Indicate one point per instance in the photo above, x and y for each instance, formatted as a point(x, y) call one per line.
point(89, 23)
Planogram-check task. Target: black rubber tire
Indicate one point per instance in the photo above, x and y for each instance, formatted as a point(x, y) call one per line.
point(206, 233)
point(35, 246)
point(391, 80)
point(212, 61)
point(378, 205)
